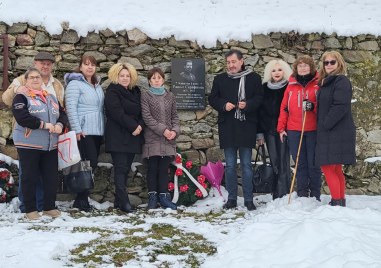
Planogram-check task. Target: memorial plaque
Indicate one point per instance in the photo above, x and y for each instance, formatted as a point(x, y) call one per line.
point(188, 83)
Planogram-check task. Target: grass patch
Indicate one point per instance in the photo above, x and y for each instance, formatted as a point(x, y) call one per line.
point(42, 228)
point(160, 239)
point(213, 217)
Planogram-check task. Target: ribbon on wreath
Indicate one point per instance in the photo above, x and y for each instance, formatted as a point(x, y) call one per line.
point(176, 181)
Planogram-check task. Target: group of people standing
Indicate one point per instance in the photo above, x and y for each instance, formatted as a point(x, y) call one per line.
point(293, 106)
point(136, 123)
point(297, 111)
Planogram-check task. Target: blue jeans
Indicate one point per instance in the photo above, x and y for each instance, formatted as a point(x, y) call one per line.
point(39, 194)
point(308, 176)
point(231, 173)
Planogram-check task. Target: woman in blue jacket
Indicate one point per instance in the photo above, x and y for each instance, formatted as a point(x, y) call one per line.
point(84, 105)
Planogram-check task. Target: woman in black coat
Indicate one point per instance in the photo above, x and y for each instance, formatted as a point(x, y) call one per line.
point(124, 137)
point(336, 131)
point(275, 81)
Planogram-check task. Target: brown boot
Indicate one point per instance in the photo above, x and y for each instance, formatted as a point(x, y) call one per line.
point(32, 216)
point(54, 213)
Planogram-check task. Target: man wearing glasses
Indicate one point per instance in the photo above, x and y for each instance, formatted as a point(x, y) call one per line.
point(44, 62)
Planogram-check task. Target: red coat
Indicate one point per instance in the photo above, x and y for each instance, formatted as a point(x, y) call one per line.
point(291, 111)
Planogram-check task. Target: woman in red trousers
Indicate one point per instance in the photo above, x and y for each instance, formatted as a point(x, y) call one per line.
point(336, 131)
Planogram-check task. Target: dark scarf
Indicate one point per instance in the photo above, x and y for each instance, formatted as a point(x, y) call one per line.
point(304, 79)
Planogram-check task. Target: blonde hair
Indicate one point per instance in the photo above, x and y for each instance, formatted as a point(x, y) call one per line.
point(271, 66)
point(114, 71)
point(341, 65)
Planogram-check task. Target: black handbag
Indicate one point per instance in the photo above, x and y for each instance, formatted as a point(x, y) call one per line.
point(263, 178)
point(79, 177)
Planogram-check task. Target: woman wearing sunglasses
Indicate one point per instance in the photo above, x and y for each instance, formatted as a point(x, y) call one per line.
point(336, 131)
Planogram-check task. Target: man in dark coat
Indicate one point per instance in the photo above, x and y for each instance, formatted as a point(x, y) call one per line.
point(237, 95)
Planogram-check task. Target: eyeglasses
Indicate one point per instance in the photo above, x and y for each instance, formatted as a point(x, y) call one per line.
point(34, 77)
point(302, 66)
point(328, 62)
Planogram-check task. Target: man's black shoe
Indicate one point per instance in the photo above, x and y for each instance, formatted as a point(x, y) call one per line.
point(230, 204)
point(250, 205)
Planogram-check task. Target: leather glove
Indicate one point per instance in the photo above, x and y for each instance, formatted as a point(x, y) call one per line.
point(308, 106)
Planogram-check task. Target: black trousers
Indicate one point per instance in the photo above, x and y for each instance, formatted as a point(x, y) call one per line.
point(157, 173)
point(122, 166)
point(38, 165)
point(89, 148)
point(280, 160)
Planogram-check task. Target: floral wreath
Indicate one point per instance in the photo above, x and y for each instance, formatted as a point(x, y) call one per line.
point(6, 183)
point(183, 186)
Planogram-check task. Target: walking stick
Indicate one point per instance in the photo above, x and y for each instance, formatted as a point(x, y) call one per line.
point(297, 156)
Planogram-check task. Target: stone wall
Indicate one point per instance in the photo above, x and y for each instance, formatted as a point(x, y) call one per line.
point(199, 138)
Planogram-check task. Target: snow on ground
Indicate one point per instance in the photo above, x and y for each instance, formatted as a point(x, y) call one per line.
point(204, 21)
point(305, 233)
point(373, 159)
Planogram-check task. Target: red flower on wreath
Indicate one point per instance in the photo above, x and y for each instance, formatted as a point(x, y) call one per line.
point(4, 174)
point(201, 178)
point(184, 188)
point(188, 164)
point(198, 193)
point(171, 186)
point(178, 159)
point(179, 172)
point(204, 185)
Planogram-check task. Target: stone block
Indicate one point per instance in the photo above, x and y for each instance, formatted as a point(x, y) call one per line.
point(186, 115)
point(42, 39)
point(139, 50)
point(133, 61)
point(24, 40)
point(353, 56)
point(262, 41)
point(17, 28)
point(136, 37)
point(202, 143)
point(332, 42)
point(369, 45)
point(70, 37)
point(23, 62)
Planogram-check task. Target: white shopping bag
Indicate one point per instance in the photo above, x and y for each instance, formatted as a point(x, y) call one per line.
point(68, 153)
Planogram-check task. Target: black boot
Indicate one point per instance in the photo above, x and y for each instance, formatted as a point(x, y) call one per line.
point(166, 202)
point(231, 203)
point(343, 203)
point(250, 205)
point(152, 200)
point(303, 193)
point(126, 206)
point(81, 202)
point(335, 202)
